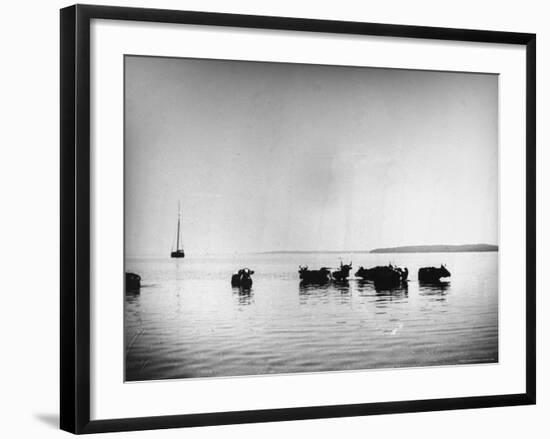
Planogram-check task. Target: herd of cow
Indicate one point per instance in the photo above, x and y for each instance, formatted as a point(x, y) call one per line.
point(383, 277)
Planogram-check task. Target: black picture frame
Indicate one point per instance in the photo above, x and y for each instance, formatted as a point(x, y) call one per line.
point(75, 217)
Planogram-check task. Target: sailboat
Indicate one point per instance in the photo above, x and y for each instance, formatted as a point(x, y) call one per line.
point(178, 253)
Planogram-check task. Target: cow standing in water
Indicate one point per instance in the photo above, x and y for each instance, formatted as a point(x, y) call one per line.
point(242, 278)
point(320, 276)
point(384, 277)
point(133, 283)
point(404, 273)
point(433, 274)
point(343, 273)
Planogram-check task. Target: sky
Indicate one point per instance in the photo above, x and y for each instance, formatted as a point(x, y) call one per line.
point(277, 157)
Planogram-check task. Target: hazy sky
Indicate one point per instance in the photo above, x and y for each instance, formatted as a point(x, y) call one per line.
point(273, 156)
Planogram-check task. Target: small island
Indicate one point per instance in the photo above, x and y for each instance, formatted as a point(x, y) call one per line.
point(438, 248)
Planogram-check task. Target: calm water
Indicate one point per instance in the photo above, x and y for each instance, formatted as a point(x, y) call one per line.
point(188, 321)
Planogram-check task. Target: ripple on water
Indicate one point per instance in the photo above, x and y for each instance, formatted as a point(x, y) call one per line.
point(189, 322)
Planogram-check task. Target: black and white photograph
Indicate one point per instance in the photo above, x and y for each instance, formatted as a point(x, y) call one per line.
point(275, 219)
point(294, 218)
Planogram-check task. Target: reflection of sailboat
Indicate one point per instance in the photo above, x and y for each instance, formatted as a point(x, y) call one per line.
point(179, 253)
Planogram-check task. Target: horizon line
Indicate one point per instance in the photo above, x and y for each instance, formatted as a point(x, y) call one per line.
point(421, 246)
point(456, 247)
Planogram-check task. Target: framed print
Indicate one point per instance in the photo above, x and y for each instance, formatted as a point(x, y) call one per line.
point(268, 218)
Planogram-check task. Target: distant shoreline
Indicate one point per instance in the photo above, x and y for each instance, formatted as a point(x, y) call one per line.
point(467, 248)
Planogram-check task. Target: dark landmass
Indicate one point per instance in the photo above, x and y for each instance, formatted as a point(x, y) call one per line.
point(439, 248)
point(404, 249)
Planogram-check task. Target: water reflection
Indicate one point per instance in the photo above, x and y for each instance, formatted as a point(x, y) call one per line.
point(365, 287)
point(244, 296)
point(437, 289)
point(332, 292)
point(342, 286)
point(381, 297)
point(389, 295)
point(306, 287)
point(401, 290)
point(131, 296)
point(188, 321)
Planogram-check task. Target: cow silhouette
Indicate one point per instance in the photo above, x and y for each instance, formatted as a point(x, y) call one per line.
point(385, 276)
point(343, 273)
point(433, 274)
point(320, 276)
point(133, 282)
point(242, 278)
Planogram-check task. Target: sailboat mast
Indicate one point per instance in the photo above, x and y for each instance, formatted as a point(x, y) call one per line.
point(178, 238)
